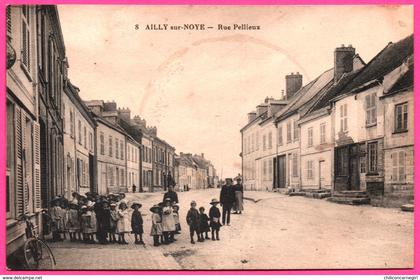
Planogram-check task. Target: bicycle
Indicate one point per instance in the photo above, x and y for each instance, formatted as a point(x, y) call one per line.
point(38, 255)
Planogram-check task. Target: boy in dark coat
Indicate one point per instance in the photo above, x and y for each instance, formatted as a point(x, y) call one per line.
point(227, 199)
point(193, 220)
point(204, 225)
point(214, 214)
point(137, 223)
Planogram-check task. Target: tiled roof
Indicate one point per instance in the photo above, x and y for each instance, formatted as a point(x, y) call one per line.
point(306, 94)
point(392, 56)
point(404, 82)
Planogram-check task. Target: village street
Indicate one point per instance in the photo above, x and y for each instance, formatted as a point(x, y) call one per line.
point(274, 232)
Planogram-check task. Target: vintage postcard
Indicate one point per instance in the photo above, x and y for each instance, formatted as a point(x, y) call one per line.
point(187, 137)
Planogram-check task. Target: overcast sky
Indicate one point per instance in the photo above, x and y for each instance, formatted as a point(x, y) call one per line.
point(198, 86)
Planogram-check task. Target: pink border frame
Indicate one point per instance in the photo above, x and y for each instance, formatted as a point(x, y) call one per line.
point(3, 270)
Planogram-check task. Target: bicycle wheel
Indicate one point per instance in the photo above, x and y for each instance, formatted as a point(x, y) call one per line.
point(38, 255)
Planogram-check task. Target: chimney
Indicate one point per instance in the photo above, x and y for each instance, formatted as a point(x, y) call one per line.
point(343, 61)
point(110, 106)
point(124, 114)
point(293, 84)
point(261, 109)
point(252, 116)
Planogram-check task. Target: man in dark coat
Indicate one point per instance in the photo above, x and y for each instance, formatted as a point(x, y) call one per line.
point(227, 198)
point(171, 194)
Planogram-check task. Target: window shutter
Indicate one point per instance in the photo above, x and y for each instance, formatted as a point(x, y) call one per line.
point(9, 19)
point(19, 162)
point(37, 167)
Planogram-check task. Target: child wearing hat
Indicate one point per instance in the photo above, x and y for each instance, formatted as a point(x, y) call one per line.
point(176, 217)
point(113, 220)
point(156, 230)
point(137, 223)
point(56, 219)
point(193, 220)
point(168, 222)
point(214, 214)
point(204, 225)
point(88, 221)
point(123, 224)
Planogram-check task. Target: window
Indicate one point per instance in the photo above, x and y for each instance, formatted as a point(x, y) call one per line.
point(79, 129)
point(280, 135)
point(71, 124)
point(398, 166)
point(310, 172)
point(111, 175)
point(90, 141)
point(122, 149)
point(270, 140)
point(295, 165)
point(116, 148)
point(322, 131)
point(257, 139)
point(264, 169)
point(122, 177)
point(310, 137)
point(84, 137)
point(372, 152)
point(342, 161)
point(343, 118)
point(289, 132)
point(117, 176)
point(102, 143)
point(110, 146)
point(295, 131)
point(26, 38)
point(400, 115)
point(371, 109)
point(270, 169)
point(253, 142)
point(264, 142)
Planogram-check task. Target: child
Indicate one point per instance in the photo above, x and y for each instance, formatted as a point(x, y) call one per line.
point(137, 223)
point(104, 221)
point(73, 223)
point(123, 224)
point(56, 219)
point(65, 216)
point(113, 219)
point(204, 225)
point(88, 221)
point(193, 220)
point(156, 230)
point(168, 222)
point(214, 214)
point(176, 217)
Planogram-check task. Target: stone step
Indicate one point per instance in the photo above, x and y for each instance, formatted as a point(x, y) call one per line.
point(350, 195)
point(349, 201)
point(407, 208)
point(319, 195)
point(297, 194)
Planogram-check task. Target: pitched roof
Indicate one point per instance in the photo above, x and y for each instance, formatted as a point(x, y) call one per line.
point(404, 82)
point(392, 56)
point(306, 94)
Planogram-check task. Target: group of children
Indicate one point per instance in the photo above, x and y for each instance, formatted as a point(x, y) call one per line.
point(91, 217)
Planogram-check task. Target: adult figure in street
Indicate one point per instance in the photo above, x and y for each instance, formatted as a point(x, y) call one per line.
point(134, 188)
point(239, 196)
point(171, 194)
point(227, 198)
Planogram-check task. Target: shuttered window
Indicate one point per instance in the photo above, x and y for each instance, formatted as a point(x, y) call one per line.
point(398, 167)
point(401, 113)
point(295, 131)
point(370, 101)
point(37, 166)
point(116, 148)
point(322, 131)
point(289, 132)
point(122, 177)
point(110, 146)
point(9, 19)
point(122, 149)
point(84, 137)
point(270, 140)
point(310, 137)
point(102, 143)
point(264, 142)
point(309, 166)
point(295, 165)
point(280, 135)
point(26, 37)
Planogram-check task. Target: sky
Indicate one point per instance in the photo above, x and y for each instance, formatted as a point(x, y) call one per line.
point(197, 86)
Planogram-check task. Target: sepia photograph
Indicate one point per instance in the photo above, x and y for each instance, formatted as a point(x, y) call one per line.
point(209, 137)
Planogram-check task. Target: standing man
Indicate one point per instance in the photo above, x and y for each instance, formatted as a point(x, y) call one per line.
point(171, 194)
point(227, 198)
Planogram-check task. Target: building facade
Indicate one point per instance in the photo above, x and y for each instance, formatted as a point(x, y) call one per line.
point(79, 143)
point(23, 161)
point(133, 163)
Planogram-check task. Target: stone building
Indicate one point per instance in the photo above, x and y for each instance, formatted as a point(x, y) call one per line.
point(23, 161)
point(133, 163)
point(111, 148)
point(79, 143)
